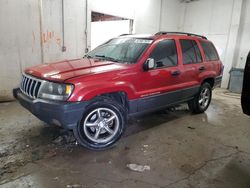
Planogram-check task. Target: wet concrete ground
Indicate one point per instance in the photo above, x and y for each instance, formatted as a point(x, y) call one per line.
point(182, 150)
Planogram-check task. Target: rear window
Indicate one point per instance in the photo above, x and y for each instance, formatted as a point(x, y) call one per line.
point(210, 51)
point(190, 52)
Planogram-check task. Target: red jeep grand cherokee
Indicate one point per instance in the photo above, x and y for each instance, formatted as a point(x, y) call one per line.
point(128, 75)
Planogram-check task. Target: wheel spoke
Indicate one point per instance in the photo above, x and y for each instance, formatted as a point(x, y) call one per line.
point(206, 92)
point(109, 130)
point(91, 124)
point(110, 119)
point(97, 133)
point(200, 101)
point(99, 113)
point(204, 103)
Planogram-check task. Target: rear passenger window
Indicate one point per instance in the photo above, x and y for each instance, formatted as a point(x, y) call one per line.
point(165, 54)
point(210, 51)
point(190, 52)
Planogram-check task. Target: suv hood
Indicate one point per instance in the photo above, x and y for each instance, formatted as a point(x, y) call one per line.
point(63, 70)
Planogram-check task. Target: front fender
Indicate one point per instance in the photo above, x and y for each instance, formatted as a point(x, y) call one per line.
point(88, 92)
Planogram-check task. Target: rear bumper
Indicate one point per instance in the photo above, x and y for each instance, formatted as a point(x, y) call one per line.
point(217, 81)
point(64, 114)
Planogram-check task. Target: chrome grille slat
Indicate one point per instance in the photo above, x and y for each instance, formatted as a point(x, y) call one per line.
point(25, 85)
point(34, 90)
point(24, 80)
point(30, 86)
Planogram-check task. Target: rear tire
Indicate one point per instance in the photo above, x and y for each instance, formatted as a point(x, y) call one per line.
point(202, 100)
point(102, 124)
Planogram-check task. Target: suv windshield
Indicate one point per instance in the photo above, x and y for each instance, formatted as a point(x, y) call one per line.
point(126, 50)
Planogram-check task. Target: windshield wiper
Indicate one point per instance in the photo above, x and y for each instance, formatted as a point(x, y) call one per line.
point(88, 56)
point(107, 58)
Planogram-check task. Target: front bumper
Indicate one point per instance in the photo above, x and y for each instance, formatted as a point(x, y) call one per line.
point(64, 114)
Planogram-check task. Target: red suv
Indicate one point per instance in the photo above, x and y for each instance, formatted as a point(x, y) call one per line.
point(126, 76)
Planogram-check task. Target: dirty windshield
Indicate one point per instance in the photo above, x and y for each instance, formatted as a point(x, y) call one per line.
point(124, 50)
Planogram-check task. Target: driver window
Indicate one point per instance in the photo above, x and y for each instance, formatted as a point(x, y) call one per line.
point(165, 54)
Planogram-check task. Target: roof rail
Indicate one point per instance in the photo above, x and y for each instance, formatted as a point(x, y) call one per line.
point(124, 34)
point(180, 33)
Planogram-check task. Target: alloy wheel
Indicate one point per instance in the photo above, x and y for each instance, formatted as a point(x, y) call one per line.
point(204, 98)
point(101, 125)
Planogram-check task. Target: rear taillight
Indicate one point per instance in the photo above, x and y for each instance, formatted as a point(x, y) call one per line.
point(221, 68)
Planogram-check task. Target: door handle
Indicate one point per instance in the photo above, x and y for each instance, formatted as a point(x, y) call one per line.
point(202, 68)
point(175, 73)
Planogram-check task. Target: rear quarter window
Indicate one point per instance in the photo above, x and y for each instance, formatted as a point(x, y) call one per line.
point(210, 51)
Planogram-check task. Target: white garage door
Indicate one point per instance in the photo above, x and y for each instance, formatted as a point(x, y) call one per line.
point(105, 30)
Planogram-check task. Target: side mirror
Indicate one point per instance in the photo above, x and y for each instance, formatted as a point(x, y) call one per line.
point(149, 64)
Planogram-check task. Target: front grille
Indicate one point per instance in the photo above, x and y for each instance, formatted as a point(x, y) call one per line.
point(30, 86)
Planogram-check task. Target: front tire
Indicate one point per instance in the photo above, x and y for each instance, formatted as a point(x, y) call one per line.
point(102, 124)
point(202, 100)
